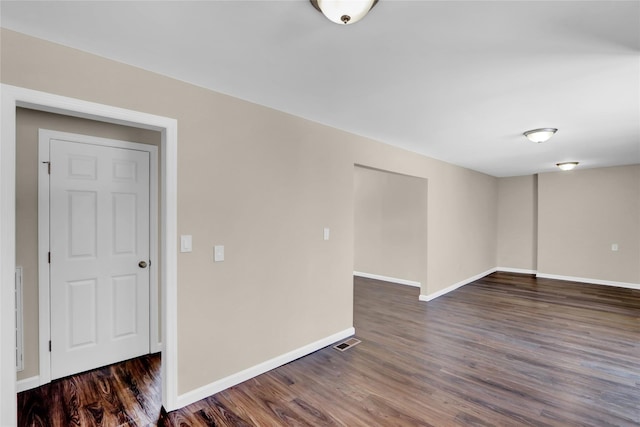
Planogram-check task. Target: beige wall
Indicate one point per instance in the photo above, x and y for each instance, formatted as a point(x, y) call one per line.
point(517, 222)
point(264, 184)
point(580, 214)
point(390, 224)
point(27, 124)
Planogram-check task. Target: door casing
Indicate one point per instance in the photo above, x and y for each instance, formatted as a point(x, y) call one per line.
point(44, 297)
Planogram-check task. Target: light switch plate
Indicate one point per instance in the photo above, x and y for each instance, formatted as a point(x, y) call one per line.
point(326, 233)
point(218, 253)
point(186, 243)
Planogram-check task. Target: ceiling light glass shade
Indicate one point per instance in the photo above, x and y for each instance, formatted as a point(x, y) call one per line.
point(540, 135)
point(344, 11)
point(567, 166)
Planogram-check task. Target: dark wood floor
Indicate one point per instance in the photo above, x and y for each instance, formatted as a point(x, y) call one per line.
point(507, 350)
point(124, 394)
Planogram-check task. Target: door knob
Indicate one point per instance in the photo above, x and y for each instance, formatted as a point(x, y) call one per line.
point(142, 264)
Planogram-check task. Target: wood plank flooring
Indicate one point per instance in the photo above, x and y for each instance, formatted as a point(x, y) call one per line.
point(506, 350)
point(124, 394)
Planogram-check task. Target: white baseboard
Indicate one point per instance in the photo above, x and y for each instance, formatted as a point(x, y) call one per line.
point(456, 286)
point(234, 379)
point(525, 271)
point(387, 279)
point(516, 270)
point(27, 384)
point(591, 281)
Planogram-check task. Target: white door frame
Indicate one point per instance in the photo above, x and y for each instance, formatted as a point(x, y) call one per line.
point(12, 97)
point(44, 297)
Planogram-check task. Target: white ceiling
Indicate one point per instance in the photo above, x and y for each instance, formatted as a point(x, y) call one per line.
point(454, 80)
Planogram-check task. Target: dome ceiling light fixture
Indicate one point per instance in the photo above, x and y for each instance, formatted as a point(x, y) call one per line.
point(344, 11)
point(567, 166)
point(540, 135)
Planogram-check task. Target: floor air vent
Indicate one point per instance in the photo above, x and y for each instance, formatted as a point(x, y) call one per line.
point(347, 344)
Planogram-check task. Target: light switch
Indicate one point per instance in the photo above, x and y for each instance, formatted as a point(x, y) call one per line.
point(218, 253)
point(185, 243)
point(326, 233)
point(614, 247)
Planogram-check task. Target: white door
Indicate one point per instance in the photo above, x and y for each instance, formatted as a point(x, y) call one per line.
point(99, 243)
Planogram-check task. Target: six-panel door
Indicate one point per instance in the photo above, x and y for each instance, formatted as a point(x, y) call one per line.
point(99, 234)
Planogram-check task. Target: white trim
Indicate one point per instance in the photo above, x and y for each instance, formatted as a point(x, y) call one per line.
point(8, 398)
point(234, 379)
point(169, 263)
point(387, 279)
point(516, 270)
point(19, 320)
point(27, 384)
point(591, 281)
point(44, 302)
point(44, 330)
point(456, 286)
point(12, 97)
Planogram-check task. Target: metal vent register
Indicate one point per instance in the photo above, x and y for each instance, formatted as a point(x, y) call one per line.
point(347, 344)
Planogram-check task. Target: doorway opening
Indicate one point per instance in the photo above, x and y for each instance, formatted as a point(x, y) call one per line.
point(15, 97)
point(390, 226)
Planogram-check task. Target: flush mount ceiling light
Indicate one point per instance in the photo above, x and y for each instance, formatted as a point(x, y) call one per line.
point(344, 11)
point(540, 135)
point(567, 166)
